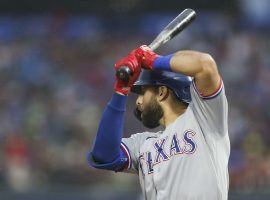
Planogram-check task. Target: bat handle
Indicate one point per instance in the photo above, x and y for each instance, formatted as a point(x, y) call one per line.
point(123, 73)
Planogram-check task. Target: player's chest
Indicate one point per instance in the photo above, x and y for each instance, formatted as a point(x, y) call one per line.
point(161, 152)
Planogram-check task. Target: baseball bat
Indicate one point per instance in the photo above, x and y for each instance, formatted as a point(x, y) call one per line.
point(170, 31)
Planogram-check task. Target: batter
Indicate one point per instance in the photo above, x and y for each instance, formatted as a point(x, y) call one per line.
point(184, 93)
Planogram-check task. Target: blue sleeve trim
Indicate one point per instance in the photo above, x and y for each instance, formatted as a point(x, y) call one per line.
point(210, 96)
point(163, 63)
point(125, 149)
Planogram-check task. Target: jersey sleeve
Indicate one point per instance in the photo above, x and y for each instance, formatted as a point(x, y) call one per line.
point(211, 111)
point(131, 147)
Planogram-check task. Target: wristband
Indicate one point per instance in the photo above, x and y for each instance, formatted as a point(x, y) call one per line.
point(163, 63)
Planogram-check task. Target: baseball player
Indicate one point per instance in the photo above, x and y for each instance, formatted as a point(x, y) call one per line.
point(184, 93)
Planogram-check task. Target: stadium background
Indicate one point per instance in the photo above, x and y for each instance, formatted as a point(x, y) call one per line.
point(56, 76)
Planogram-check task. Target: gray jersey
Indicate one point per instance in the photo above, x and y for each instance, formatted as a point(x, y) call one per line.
point(189, 159)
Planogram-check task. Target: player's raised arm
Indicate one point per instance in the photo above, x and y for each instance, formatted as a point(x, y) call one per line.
point(199, 65)
point(107, 152)
point(196, 64)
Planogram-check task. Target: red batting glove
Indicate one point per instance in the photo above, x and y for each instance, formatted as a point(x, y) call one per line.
point(146, 55)
point(134, 65)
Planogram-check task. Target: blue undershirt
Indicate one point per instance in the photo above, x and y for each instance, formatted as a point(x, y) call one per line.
point(106, 152)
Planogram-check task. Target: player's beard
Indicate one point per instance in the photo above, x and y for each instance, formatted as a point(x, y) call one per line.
point(151, 114)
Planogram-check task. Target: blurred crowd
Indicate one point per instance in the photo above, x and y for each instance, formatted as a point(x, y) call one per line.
point(56, 76)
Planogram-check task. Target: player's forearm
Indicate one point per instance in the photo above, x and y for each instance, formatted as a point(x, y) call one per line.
point(192, 63)
point(107, 144)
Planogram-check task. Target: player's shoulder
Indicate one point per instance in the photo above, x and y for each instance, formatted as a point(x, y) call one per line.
point(219, 93)
point(146, 135)
point(187, 113)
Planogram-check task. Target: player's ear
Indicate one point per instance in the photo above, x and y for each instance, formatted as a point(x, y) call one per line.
point(163, 93)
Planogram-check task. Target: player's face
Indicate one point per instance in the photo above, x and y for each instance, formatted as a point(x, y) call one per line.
point(148, 109)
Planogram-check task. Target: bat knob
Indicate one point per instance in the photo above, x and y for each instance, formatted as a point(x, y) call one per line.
point(123, 73)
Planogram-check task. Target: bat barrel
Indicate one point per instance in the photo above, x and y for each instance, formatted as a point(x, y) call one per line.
point(173, 28)
point(169, 32)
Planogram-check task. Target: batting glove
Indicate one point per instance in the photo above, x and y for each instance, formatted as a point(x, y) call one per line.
point(134, 65)
point(147, 56)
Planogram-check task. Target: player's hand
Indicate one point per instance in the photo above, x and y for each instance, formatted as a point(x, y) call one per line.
point(134, 64)
point(146, 55)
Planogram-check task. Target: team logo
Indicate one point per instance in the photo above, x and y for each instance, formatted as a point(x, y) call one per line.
point(165, 149)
